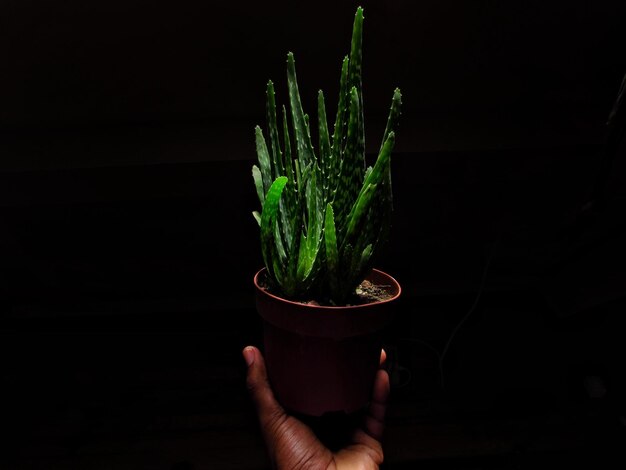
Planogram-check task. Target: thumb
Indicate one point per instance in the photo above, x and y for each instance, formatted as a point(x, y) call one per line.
point(268, 409)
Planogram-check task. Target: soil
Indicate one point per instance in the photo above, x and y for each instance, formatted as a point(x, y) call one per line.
point(365, 293)
point(369, 292)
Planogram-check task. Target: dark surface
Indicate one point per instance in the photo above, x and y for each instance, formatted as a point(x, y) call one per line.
point(138, 61)
point(157, 390)
point(126, 306)
point(127, 297)
point(127, 246)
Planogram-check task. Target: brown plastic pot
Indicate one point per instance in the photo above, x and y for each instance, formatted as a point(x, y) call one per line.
point(323, 359)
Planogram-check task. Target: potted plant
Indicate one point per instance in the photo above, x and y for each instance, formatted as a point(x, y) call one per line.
point(323, 218)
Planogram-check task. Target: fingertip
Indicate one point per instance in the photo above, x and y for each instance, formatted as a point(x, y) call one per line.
point(382, 387)
point(259, 386)
point(249, 355)
point(383, 356)
point(375, 420)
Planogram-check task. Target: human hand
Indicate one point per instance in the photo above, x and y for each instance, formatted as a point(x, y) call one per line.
point(292, 445)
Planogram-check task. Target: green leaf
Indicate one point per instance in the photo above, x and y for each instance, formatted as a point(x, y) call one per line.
point(360, 265)
point(291, 196)
point(356, 50)
point(268, 219)
point(298, 177)
point(264, 159)
point(304, 147)
point(394, 116)
point(278, 272)
point(352, 166)
point(257, 217)
point(375, 178)
point(288, 159)
point(278, 240)
point(354, 76)
point(258, 183)
point(340, 125)
point(368, 172)
point(284, 229)
point(365, 257)
point(312, 241)
point(380, 170)
point(325, 155)
point(360, 257)
point(385, 205)
point(276, 153)
point(359, 211)
point(332, 255)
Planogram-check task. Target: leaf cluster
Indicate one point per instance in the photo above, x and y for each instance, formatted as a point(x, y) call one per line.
point(323, 215)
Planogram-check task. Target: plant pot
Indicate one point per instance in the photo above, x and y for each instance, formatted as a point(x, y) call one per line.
point(323, 359)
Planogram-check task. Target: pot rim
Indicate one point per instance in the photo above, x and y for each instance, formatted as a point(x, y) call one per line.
point(395, 284)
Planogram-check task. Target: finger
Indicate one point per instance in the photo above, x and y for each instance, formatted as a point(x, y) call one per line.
point(267, 407)
point(375, 418)
point(383, 356)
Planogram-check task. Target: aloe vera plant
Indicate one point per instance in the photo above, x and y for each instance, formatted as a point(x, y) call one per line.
point(324, 215)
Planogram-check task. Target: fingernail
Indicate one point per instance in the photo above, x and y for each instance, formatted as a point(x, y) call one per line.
point(248, 355)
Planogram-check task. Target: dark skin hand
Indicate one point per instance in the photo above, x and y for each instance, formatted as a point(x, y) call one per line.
point(292, 445)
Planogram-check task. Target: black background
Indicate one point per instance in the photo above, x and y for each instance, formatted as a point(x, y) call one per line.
point(127, 247)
